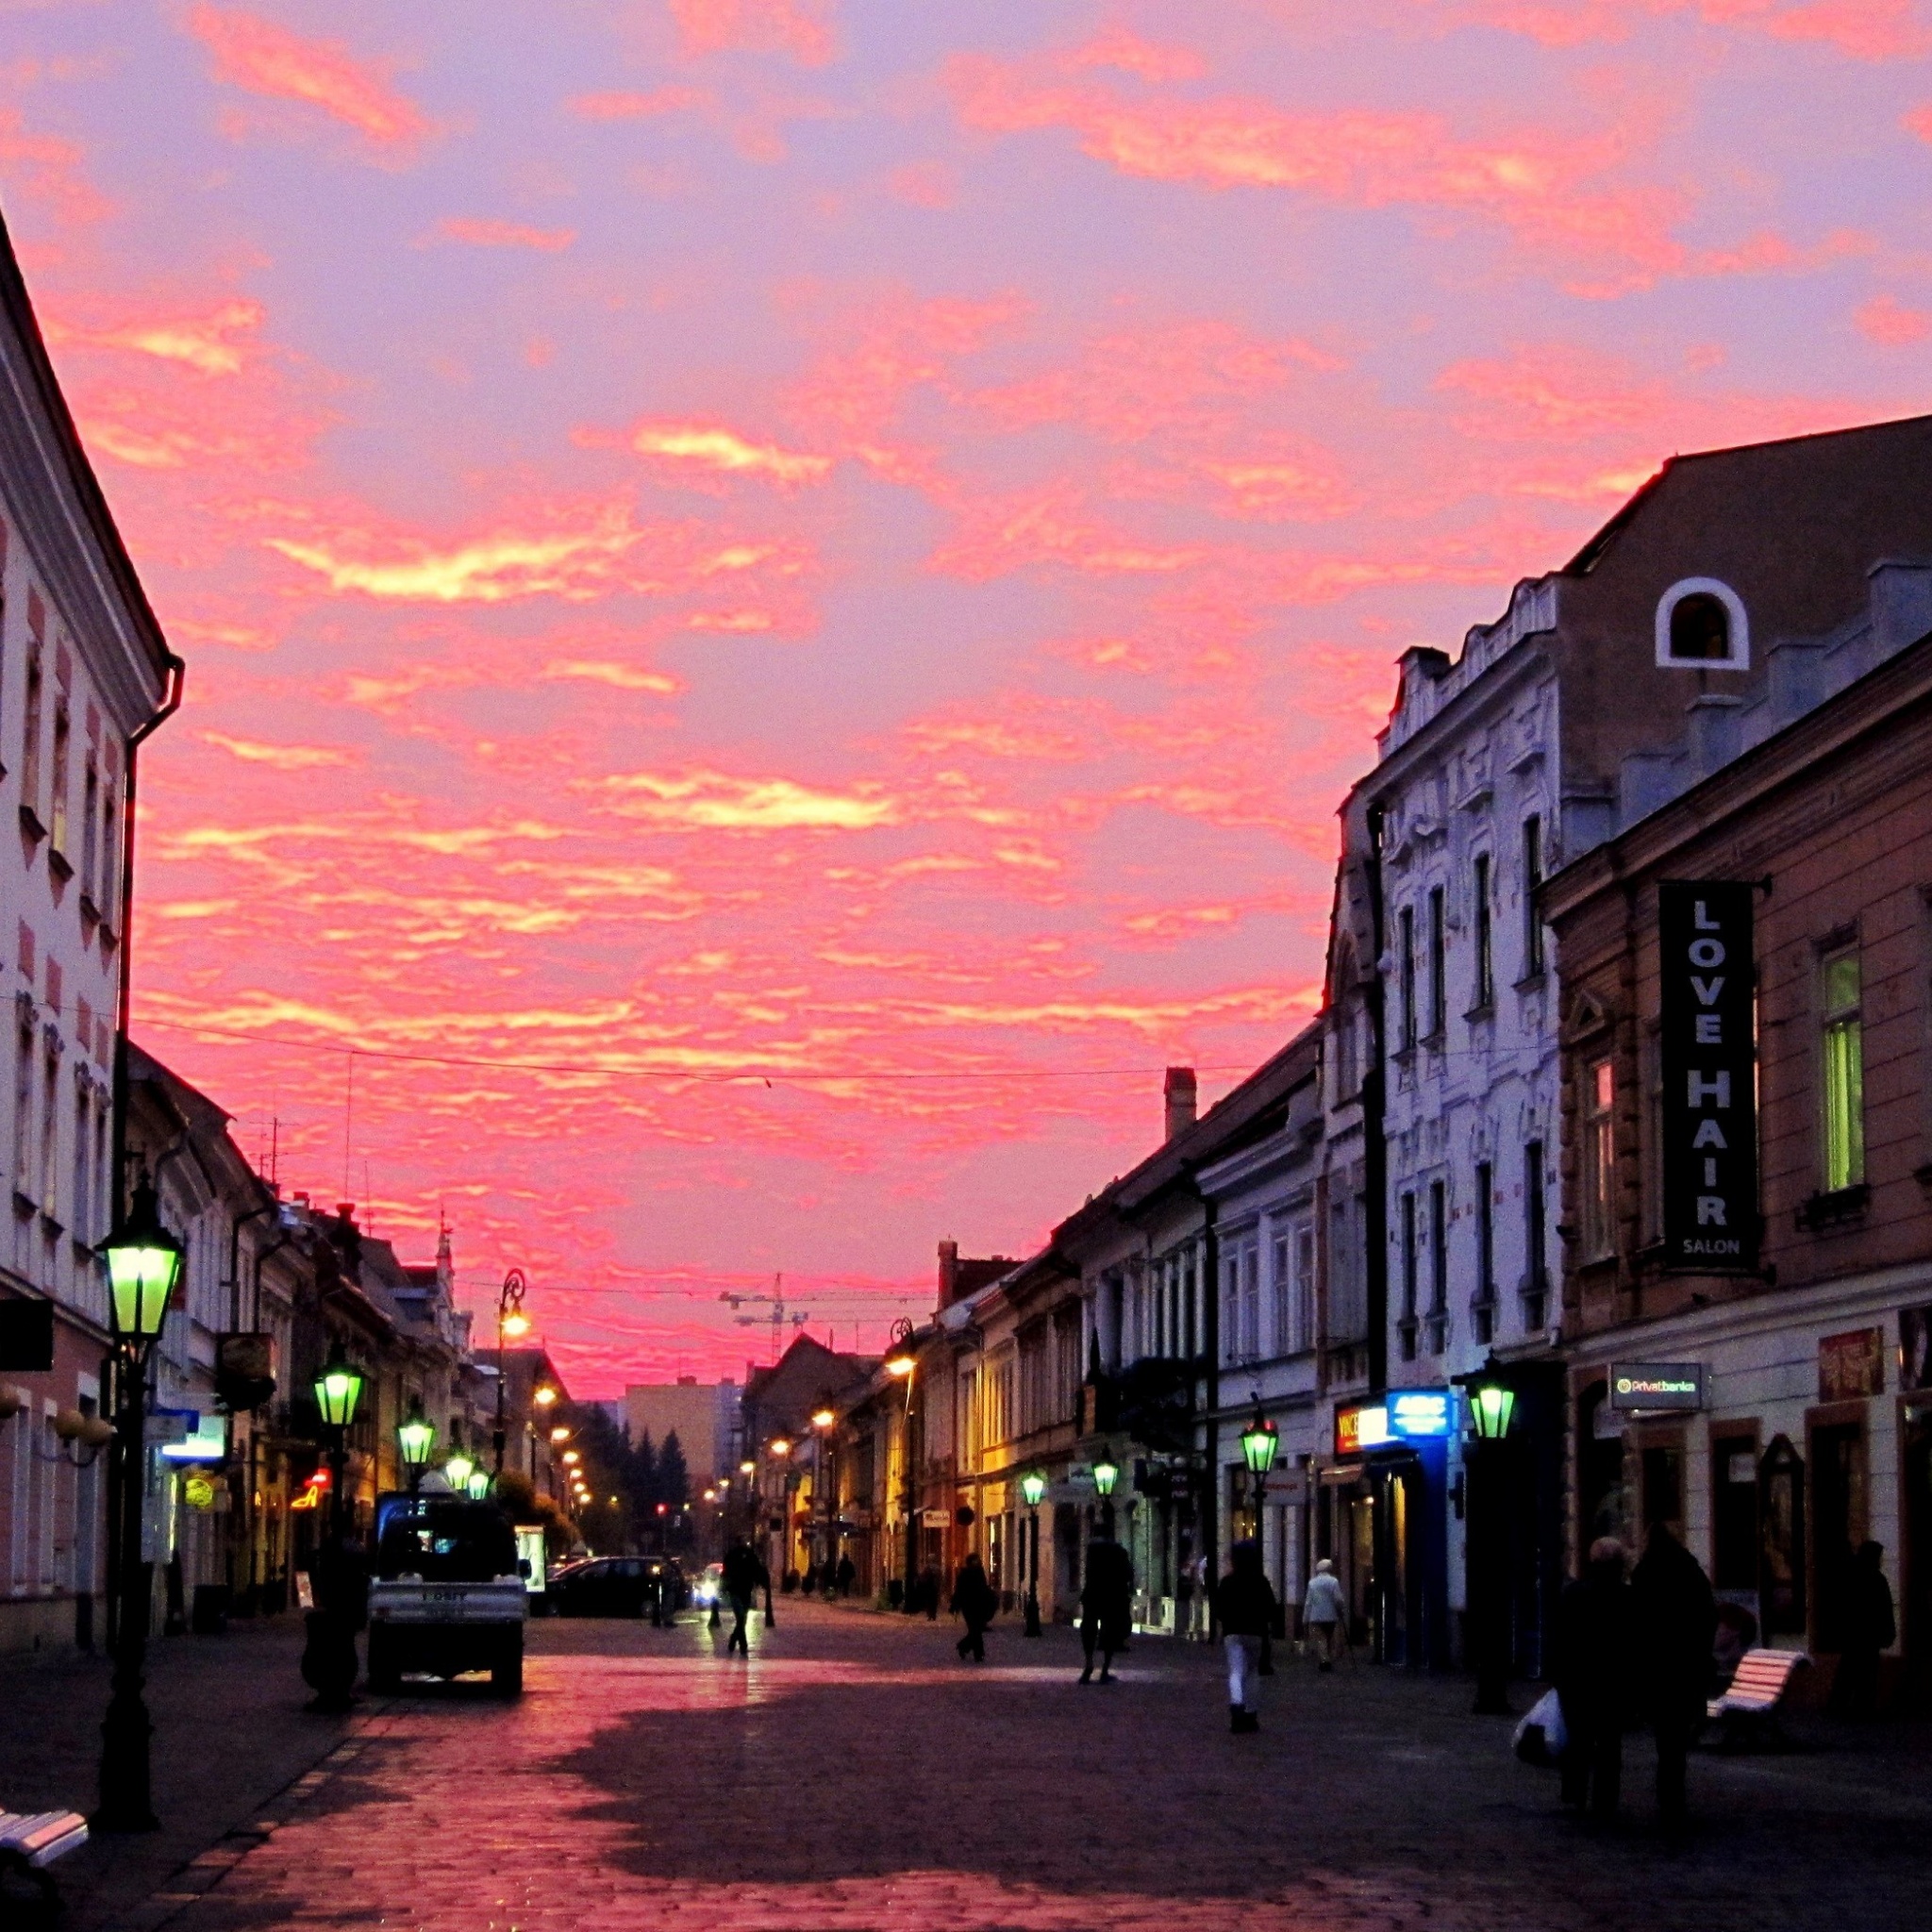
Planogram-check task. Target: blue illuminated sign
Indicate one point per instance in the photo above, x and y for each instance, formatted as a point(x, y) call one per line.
point(1414, 1413)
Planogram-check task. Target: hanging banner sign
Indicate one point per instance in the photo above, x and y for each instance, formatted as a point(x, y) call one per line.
point(1709, 1092)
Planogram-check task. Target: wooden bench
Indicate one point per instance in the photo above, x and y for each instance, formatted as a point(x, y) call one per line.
point(1758, 1690)
point(31, 1841)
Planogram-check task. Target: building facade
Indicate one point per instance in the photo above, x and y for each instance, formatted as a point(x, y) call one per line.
point(1794, 1422)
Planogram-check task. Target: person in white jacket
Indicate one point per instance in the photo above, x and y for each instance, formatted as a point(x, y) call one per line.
point(1325, 1613)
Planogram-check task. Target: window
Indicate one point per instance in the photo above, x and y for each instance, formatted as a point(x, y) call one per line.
point(1701, 623)
point(1532, 884)
point(1305, 1283)
point(30, 736)
point(1282, 1284)
point(90, 829)
point(1439, 1267)
point(83, 1162)
point(1438, 975)
point(24, 1110)
point(1407, 1326)
point(1482, 1308)
point(1485, 946)
point(1231, 1307)
point(1535, 1273)
point(1346, 1077)
point(1599, 1158)
point(110, 854)
point(1407, 927)
point(1251, 1300)
point(1843, 1083)
point(50, 1134)
point(57, 807)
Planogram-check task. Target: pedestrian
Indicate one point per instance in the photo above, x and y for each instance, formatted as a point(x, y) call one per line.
point(741, 1570)
point(1676, 1621)
point(1106, 1603)
point(929, 1593)
point(1591, 1666)
point(847, 1574)
point(1246, 1602)
point(1325, 1613)
point(974, 1600)
point(811, 1578)
point(1871, 1626)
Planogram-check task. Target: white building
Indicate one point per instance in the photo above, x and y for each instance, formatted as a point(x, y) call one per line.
point(84, 672)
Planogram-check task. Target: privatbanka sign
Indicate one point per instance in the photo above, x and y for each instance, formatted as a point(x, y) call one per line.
point(1709, 1095)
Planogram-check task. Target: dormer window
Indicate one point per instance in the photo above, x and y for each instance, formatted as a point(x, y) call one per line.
point(1701, 625)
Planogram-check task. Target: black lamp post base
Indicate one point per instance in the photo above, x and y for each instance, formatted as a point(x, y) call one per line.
point(127, 1803)
point(1033, 1628)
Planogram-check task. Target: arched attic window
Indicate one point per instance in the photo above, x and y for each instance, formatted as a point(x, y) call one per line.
point(1701, 625)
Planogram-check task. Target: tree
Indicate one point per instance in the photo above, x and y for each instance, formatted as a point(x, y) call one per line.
point(673, 1478)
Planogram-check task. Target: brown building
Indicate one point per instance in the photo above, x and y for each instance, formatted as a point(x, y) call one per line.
point(1799, 1422)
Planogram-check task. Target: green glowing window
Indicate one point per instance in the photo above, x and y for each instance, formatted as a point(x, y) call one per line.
point(1844, 1081)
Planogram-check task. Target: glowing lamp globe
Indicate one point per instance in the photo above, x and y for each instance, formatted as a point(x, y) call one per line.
point(1260, 1440)
point(458, 1469)
point(1033, 1488)
point(415, 1437)
point(823, 1418)
point(545, 1397)
point(338, 1389)
point(514, 1324)
point(1106, 1473)
point(1490, 1407)
point(144, 1264)
point(478, 1486)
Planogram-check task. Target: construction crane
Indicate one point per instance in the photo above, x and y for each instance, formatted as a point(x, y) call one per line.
point(779, 1317)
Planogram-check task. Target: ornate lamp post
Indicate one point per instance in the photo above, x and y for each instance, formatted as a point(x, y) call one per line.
point(144, 1264)
point(900, 1363)
point(415, 1441)
point(1491, 1406)
point(338, 1395)
point(1032, 1490)
point(822, 1418)
point(1260, 1443)
point(511, 1323)
point(1106, 1473)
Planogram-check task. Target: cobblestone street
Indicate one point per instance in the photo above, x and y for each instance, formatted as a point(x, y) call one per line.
point(854, 1774)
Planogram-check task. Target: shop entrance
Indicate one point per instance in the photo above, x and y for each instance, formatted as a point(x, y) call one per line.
point(1781, 1540)
point(1839, 1517)
point(1917, 1514)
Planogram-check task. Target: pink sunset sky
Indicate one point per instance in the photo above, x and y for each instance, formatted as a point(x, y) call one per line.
point(782, 592)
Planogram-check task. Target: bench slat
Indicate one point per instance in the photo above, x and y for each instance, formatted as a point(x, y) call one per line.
point(43, 1836)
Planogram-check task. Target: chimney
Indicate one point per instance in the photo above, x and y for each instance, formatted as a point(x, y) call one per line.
point(949, 1272)
point(1179, 1093)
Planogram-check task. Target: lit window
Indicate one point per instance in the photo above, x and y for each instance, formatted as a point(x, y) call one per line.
point(1844, 1073)
point(1599, 1161)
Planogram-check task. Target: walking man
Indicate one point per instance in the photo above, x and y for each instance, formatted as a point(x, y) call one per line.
point(1676, 1618)
point(1591, 1670)
point(1871, 1626)
point(1325, 1612)
point(1246, 1605)
point(1106, 1602)
point(742, 1568)
point(974, 1600)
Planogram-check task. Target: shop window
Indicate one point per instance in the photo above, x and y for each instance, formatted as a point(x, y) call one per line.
point(1734, 1512)
point(1599, 1160)
point(1842, 1087)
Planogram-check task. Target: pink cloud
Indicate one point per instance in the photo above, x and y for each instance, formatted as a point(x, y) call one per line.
point(485, 233)
point(1861, 29)
point(622, 105)
point(1886, 320)
point(800, 28)
point(263, 59)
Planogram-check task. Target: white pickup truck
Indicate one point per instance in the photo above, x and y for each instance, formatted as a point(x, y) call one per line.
point(448, 1594)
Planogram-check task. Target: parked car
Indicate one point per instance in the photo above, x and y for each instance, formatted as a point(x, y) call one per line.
point(618, 1586)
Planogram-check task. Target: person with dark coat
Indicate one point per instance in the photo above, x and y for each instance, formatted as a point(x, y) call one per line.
point(742, 1571)
point(847, 1574)
point(1871, 1626)
point(974, 1600)
point(1675, 1622)
point(1246, 1604)
point(1106, 1605)
point(1590, 1667)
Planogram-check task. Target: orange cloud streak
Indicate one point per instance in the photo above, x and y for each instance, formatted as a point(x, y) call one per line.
point(263, 59)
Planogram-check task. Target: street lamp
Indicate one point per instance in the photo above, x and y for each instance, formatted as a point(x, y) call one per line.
point(144, 1264)
point(1106, 1473)
point(511, 1322)
point(1260, 1443)
point(330, 1661)
point(459, 1470)
point(1491, 1406)
point(478, 1485)
point(415, 1439)
point(902, 1358)
point(1032, 1490)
